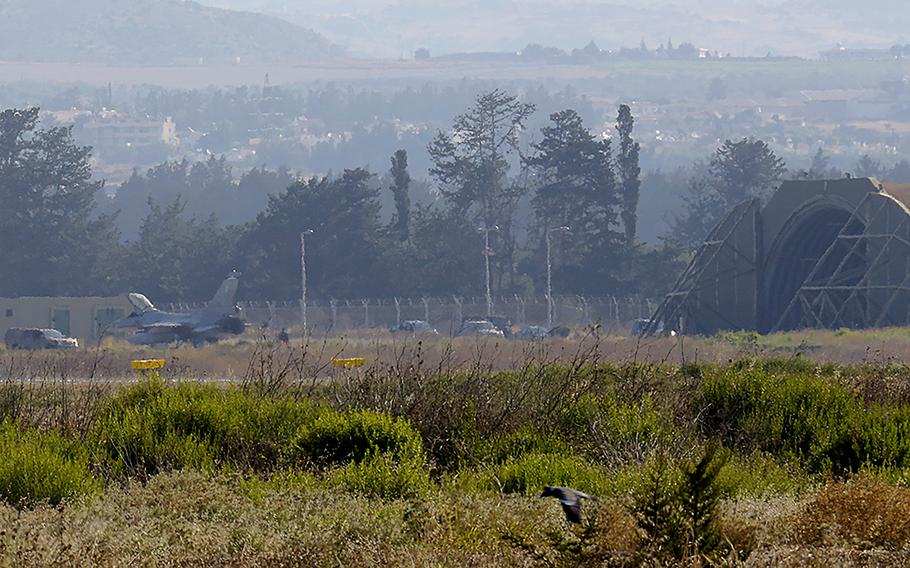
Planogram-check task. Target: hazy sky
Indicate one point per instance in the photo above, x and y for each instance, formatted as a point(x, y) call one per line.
point(749, 27)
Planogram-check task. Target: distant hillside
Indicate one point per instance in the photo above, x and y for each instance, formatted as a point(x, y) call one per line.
point(161, 32)
point(742, 27)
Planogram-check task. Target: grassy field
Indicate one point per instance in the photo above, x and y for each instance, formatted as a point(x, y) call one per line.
point(428, 459)
point(235, 360)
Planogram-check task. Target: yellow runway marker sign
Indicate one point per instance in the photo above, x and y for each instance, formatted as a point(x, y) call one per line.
point(349, 363)
point(147, 364)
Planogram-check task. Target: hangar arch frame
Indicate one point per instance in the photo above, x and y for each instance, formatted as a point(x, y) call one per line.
point(838, 255)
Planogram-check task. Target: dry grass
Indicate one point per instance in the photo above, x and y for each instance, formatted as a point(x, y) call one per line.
point(863, 513)
point(230, 360)
point(189, 519)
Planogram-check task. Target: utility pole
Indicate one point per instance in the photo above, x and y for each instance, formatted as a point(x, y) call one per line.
point(303, 279)
point(550, 273)
point(487, 253)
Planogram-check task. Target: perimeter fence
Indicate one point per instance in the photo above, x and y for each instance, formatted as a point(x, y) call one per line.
point(445, 314)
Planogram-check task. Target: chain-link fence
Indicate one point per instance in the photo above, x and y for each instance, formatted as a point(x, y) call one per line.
point(445, 314)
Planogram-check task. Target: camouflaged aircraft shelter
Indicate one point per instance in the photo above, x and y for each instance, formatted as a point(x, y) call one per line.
point(819, 254)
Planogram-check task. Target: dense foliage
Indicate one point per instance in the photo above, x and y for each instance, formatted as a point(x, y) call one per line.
point(58, 242)
point(665, 448)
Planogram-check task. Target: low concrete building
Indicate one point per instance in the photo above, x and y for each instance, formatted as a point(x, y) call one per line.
point(83, 318)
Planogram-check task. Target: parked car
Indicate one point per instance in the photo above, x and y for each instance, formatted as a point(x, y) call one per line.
point(34, 338)
point(540, 332)
point(560, 331)
point(416, 327)
point(479, 328)
point(533, 332)
point(501, 323)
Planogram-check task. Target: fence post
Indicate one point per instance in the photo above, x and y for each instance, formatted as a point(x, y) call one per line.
point(459, 312)
point(271, 307)
point(397, 312)
point(333, 306)
point(426, 309)
point(366, 313)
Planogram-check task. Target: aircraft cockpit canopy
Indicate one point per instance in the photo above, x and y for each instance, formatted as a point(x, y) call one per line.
point(140, 303)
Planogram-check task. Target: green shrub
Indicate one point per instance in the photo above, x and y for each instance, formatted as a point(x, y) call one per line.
point(809, 416)
point(530, 473)
point(380, 475)
point(759, 474)
point(41, 466)
point(676, 505)
point(149, 428)
point(526, 441)
point(336, 437)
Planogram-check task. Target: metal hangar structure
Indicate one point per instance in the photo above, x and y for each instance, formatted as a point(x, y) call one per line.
point(819, 254)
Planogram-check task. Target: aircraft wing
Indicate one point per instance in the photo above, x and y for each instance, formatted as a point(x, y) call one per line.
point(205, 329)
point(165, 326)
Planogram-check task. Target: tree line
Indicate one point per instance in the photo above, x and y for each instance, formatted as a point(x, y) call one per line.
point(491, 176)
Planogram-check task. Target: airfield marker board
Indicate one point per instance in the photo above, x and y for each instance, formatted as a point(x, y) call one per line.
point(148, 368)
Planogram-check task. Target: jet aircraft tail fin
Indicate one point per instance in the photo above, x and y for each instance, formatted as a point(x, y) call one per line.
point(223, 301)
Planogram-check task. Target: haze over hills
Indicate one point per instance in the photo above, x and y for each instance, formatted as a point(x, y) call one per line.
point(159, 32)
point(741, 27)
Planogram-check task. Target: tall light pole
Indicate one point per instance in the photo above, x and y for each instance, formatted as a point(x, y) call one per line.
point(487, 253)
point(303, 278)
point(550, 273)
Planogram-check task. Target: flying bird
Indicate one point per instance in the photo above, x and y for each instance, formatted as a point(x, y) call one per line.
point(570, 499)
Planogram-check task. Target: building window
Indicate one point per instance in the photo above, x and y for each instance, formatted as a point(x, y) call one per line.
point(9, 312)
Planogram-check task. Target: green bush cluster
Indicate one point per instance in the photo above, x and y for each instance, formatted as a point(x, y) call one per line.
point(592, 425)
point(589, 427)
point(335, 437)
point(150, 427)
point(808, 416)
point(529, 474)
point(42, 467)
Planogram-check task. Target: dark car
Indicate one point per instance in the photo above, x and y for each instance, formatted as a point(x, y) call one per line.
point(34, 338)
point(539, 332)
point(416, 327)
point(533, 332)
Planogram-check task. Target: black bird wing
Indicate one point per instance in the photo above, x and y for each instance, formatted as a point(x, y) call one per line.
point(580, 495)
point(572, 511)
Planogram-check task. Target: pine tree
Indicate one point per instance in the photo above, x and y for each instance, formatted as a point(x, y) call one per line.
point(52, 241)
point(401, 181)
point(699, 496)
point(743, 170)
point(629, 171)
point(471, 165)
point(576, 188)
point(820, 168)
point(867, 166)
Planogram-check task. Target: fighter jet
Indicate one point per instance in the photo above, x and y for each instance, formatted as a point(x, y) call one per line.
point(219, 319)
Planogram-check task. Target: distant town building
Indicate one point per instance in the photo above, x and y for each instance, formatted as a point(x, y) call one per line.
point(847, 104)
point(114, 131)
point(841, 53)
